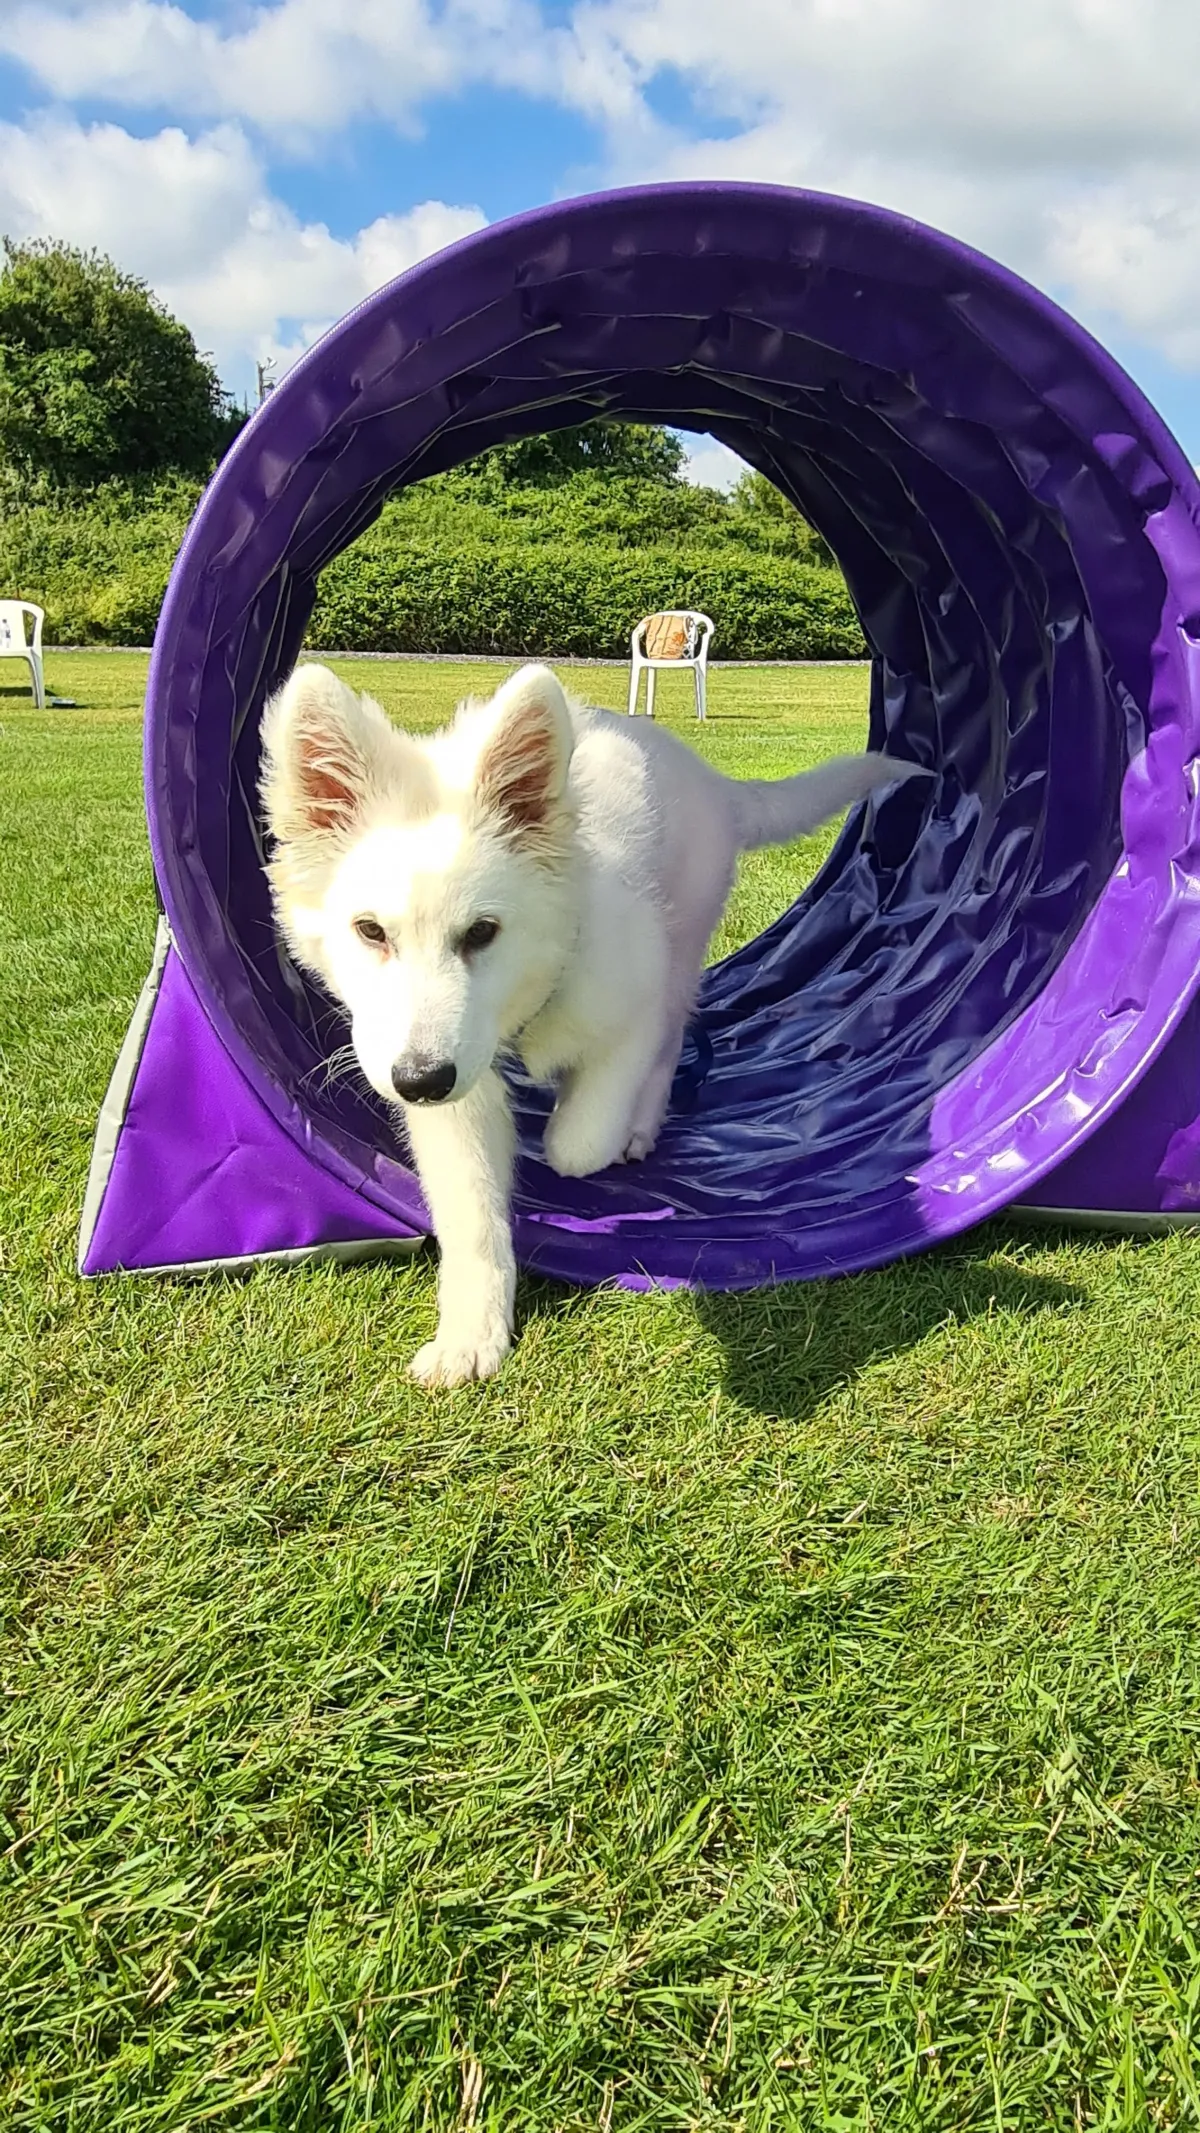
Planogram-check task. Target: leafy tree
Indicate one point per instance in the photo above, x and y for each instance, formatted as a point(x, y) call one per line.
point(97, 380)
point(770, 513)
point(635, 450)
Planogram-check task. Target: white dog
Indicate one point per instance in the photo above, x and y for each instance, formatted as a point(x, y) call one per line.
point(539, 878)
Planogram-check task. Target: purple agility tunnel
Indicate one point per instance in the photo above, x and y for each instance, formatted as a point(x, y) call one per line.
point(985, 997)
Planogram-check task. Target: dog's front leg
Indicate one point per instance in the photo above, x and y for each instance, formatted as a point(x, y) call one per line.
point(589, 1127)
point(464, 1154)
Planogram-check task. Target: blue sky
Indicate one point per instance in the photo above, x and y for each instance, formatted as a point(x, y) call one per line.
point(264, 163)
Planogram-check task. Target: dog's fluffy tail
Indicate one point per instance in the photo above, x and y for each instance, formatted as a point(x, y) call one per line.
point(774, 810)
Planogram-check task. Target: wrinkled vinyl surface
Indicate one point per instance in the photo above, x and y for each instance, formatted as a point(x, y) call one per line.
point(986, 964)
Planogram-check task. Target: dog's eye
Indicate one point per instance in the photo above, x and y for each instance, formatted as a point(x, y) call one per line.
point(480, 935)
point(370, 930)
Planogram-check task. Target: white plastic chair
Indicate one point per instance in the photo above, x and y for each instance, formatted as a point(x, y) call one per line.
point(14, 644)
point(682, 646)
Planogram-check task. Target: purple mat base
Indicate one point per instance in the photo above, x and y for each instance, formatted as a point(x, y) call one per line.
point(1144, 1161)
point(201, 1175)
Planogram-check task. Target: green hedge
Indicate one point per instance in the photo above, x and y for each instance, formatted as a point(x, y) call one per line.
point(458, 579)
point(98, 562)
point(551, 601)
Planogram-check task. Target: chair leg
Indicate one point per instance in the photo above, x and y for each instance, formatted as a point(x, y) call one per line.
point(649, 692)
point(634, 676)
point(37, 681)
point(701, 694)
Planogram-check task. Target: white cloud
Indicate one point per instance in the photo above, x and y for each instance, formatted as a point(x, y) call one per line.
point(1134, 250)
point(197, 220)
point(295, 71)
point(711, 465)
point(1064, 83)
point(1060, 135)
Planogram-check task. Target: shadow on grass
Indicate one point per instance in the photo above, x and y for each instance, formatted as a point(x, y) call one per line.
point(786, 1349)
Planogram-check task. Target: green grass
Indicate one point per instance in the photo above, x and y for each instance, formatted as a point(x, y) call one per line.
point(773, 1711)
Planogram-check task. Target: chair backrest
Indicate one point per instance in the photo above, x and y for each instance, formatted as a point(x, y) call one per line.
point(13, 637)
point(674, 633)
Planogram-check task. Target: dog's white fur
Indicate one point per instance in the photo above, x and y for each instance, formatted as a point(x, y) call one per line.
point(604, 849)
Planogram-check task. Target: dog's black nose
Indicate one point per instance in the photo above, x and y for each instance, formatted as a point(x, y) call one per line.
point(423, 1081)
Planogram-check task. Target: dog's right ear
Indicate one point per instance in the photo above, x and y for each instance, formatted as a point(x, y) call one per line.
point(521, 775)
point(328, 753)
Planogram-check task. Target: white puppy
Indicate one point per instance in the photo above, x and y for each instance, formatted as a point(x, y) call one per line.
point(539, 878)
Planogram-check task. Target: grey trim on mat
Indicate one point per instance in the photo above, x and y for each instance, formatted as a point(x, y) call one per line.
point(351, 1253)
point(1112, 1222)
point(120, 1089)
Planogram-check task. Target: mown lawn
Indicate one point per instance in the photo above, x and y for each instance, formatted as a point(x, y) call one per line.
point(777, 1711)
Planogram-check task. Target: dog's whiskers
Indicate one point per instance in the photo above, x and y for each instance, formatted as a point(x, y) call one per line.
point(337, 1067)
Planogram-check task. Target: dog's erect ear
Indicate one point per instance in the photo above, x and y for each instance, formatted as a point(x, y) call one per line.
point(521, 776)
point(327, 753)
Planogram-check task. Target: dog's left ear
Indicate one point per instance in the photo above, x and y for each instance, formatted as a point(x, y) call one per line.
point(521, 777)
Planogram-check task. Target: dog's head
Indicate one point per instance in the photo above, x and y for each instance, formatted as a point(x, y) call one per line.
point(429, 883)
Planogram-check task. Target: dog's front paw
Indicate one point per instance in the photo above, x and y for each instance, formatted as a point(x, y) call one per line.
point(458, 1354)
point(577, 1145)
